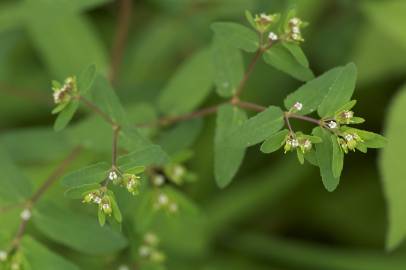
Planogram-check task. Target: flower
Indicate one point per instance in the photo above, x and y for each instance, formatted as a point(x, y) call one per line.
point(264, 17)
point(113, 175)
point(151, 239)
point(144, 251)
point(295, 21)
point(163, 199)
point(298, 106)
point(25, 214)
point(106, 206)
point(272, 36)
point(3, 256)
point(158, 180)
point(332, 124)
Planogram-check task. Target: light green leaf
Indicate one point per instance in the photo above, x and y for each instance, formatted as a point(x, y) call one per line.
point(86, 78)
point(227, 157)
point(274, 142)
point(145, 156)
point(257, 128)
point(190, 85)
point(393, 170)
point(64, 117)
point(324, 153)
point(330, 91)
point(338, 157)
point(237, 35)
point(282, 59)
point(228, 67)
point(95, 173)
point(297, 53)
point(77, 231)
point(40, 257)
point(101, 217)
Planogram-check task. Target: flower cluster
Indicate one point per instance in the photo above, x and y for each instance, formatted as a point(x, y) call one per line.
point(164, 202)
point(264, 21)
point(300, 142)
point(149, 249)
point(63, 94)
point(100, 198)
point(349, 141)
point(293, 29)
point(129, 180)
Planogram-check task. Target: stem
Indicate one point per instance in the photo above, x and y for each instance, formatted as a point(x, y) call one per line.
point(116, 132)
point(97, 110)
point(30, 203)
point(247, 74)
point(286, 118)
point(250, 106)
point(123, 26)
point(304, 118)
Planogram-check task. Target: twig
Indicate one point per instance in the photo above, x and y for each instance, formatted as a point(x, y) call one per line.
point(250, 106)
point(116, 132)
point(248, 72)
point(123, 26)
point(304, 118)
point(97, 110)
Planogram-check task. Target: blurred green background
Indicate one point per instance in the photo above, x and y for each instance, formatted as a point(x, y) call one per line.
point(276, 214)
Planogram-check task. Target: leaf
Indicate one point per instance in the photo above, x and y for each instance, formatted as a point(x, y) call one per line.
point(227, 158)
point(190, 85)
point(79, 191)
point(228, 67)
point(237, 35)
point(370, 139)
point(257, 128)
point(393, 170)
point(77, 231)
point(64, 117)
point(328, 92)
point(92, 174)
point(297, 53)
point(274, 142)
point(86, 78)
point(15, 187)
point(40, 257)
point(146, 156)
point(324, 154)
point(101, 217)
point(280, 58)
point(114, 206)
point(338, 157)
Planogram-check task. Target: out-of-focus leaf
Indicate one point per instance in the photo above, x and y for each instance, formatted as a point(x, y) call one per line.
point(190, 85)
point(40, 257)
point(95, 173)
point(327, 93)
point(145, 156)
point(237, 35)
point(324, 153)
point(15, 187)
point(77, 231)
point(228, 67)
point(257, 128)
point(393, 170)
point(11, 15)
point(64, 117)
point(282, 59)
point(227, 157)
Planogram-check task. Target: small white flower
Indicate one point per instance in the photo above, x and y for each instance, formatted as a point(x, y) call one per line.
point(296, 30)
point(295, 36)
point(332, 124)
point(151, 239)
point(144, 251)
point(158, 180)
point(3, 256)
point(348, 137)
point(97, 200)
point(294, 21)
point(294, 143)
point(298, 106)
point(106, 206)
point(113, 175)
point(131, 184)
point(57, 96)
point(163, 199)
point(25, 214)
point(178, 171)
point(173, 208)
point(272, 36)
point(123, 267)
point(265, 17)
point(307, 144)
point(348, 114)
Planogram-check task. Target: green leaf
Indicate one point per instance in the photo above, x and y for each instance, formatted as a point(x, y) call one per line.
point(237, 35)
point(79, 191)
point(250, 19)
point(227, 158)
point(101, 217)
point(328, 92)
point(77, 231)
point(257, 128)
point(64, 117)
point(324, 153)
point(86, 78)
point(338, 157)
point(393, 170)
point(297, 53)
point(40, 257)
point(92, 174)
point(190, 85)
point(228, 67)
point(114, 206)
point(145, 156)
point(371, 140)
point(282, 59)
point(274, 142)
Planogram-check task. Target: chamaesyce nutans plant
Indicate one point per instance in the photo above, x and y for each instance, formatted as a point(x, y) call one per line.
point(140, 167)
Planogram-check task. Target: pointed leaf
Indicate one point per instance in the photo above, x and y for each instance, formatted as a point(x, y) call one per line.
point(92, 174)
point(64, 117)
